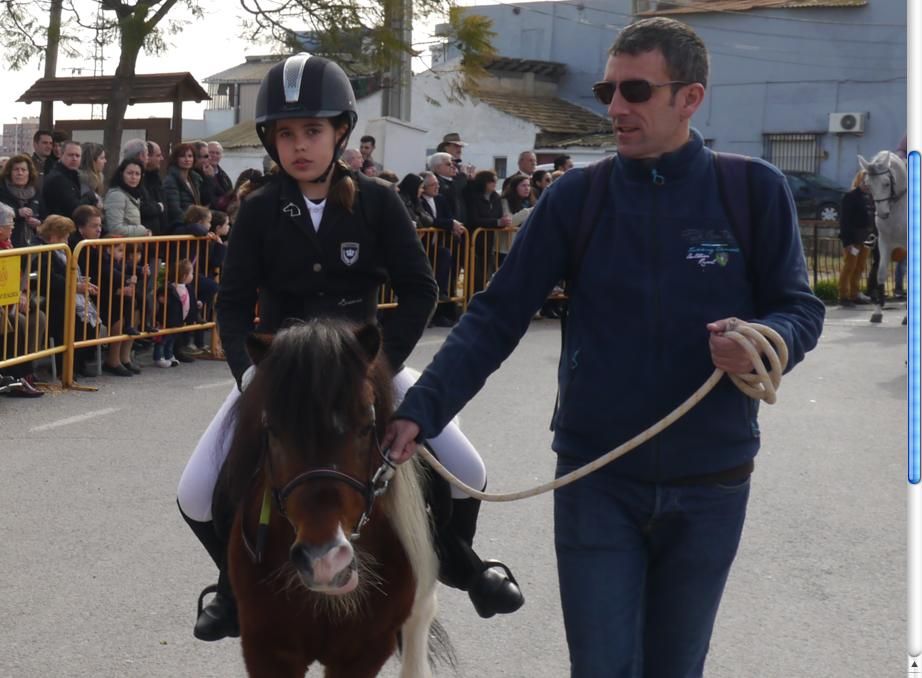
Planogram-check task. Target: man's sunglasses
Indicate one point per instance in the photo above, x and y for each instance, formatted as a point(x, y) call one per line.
point(633, 91)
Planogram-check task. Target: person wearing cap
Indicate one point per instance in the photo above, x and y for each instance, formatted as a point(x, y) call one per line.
point(316, 241)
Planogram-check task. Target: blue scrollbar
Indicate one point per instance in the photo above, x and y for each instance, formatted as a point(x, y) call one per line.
point(913, 313)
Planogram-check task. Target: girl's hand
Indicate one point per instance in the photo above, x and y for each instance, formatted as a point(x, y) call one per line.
point(25, 212)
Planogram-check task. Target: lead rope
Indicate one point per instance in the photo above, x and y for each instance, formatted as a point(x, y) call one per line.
point(758, 340)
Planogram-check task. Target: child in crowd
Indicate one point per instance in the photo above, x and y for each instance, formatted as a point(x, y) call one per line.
point(220, 226)
point(198, 222)
point(117, 285)
point(180, 310)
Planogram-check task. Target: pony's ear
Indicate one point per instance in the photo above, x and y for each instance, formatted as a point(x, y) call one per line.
point(369, 337)
point(864, 163)
point(258, 346)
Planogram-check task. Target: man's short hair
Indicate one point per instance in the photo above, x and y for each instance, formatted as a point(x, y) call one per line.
point(524, 153)
point(439, 159)
point(70, 142)
point(133, 148)
point(216, 143)
point(42, 133)
point(684, 51)
point(59, 137)
point(368, 139)
point(560, 161)
point(150, 147)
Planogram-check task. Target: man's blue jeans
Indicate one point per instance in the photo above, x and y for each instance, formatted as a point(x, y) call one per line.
point(642, 568)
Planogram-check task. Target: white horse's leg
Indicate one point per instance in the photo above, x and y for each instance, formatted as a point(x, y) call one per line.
point(415, 633)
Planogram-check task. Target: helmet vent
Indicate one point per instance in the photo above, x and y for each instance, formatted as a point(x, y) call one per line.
point(291, 76)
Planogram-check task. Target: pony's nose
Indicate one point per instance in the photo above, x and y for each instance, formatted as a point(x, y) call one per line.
point(319, 565)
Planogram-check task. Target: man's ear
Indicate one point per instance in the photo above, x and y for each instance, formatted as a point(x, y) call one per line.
point(690, 98)
point(258, 345)
point(369, 337)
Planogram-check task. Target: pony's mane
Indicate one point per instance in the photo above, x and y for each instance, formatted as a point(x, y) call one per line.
point(307, 391)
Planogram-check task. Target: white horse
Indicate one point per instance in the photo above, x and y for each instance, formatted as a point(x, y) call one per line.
point(888, 180)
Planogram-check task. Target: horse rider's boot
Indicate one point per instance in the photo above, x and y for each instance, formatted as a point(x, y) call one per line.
point(217, 619)
point(489, 583)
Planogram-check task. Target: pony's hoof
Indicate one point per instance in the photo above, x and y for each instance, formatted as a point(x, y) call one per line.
point(495, 591)
point(876, 317)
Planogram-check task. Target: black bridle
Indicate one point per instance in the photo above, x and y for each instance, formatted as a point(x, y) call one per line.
point(894, 196)
point(370, 489)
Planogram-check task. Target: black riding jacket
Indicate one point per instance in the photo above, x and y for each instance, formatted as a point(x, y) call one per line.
point(275, 256)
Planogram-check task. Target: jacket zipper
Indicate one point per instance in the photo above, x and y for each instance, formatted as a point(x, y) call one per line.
point(657, 180)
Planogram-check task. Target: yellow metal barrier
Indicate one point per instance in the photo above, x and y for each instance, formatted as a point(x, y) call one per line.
point(30, 278)
point(444, 250)
point(129, 292)
point(488, 247)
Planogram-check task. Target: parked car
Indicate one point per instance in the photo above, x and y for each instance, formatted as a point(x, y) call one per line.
point(816, 196)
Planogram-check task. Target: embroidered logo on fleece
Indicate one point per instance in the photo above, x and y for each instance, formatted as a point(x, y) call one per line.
point(709, 247)
point(349, 252)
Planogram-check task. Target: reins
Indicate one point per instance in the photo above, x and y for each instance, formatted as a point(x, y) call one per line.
point(763, 385)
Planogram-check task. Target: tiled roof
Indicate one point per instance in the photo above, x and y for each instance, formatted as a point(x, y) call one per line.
point(146, 88)
point(255, 67)
point(508, 64)
point(242, 135)
point(550, 114)
point(600, 140)
point(250, 71)
point(696, 6)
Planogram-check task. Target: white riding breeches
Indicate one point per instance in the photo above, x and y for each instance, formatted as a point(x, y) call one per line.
point(196, 486)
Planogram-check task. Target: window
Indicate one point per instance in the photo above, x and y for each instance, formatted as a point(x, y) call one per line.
point(794, 152)
point(499, 165)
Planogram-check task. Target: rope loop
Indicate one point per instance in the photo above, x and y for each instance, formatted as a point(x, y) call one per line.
point(760, 342)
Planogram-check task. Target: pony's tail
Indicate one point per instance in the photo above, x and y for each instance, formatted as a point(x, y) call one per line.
point(441, 651)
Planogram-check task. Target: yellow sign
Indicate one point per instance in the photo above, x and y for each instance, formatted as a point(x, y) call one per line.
point(9, 280)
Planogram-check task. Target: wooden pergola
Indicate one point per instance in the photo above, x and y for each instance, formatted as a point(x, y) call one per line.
point(146, 89)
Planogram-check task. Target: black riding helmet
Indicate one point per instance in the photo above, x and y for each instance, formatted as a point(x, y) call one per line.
point(305, 86)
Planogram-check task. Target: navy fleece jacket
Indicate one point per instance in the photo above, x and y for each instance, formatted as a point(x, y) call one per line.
point(661, 264)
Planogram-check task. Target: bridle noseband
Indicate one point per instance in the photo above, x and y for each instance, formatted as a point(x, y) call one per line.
point(370, 490)
point(894, 196)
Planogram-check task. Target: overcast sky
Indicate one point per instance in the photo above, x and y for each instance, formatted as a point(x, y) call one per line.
point(204, 47)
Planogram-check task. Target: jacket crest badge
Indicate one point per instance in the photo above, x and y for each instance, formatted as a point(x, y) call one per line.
point(349, 252)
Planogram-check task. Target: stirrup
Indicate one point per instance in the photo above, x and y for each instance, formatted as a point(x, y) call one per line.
point(218, 622)
point(213, 588)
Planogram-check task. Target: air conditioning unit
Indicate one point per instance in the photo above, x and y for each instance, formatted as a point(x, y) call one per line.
point(846, 123)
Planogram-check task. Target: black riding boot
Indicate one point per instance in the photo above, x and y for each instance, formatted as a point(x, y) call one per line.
point(218, 619)
point(489, 583)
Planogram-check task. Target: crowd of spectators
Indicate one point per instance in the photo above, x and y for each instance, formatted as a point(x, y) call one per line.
point(63, 193)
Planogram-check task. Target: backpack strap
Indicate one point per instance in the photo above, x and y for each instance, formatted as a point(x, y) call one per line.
point(597, 175)
point(733, 182)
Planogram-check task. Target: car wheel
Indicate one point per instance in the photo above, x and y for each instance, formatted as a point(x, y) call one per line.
point(828, 212)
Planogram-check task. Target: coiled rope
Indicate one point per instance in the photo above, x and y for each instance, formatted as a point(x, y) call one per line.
point(758, 341)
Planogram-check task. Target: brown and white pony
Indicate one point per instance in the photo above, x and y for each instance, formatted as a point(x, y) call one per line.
point(330, 557)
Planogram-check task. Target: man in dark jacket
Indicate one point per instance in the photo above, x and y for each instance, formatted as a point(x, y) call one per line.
point(61, 187)
point(222, 180)
point(450, 186)
point(645, 544)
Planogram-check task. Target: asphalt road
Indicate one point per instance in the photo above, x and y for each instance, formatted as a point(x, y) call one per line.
point(99, 576)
